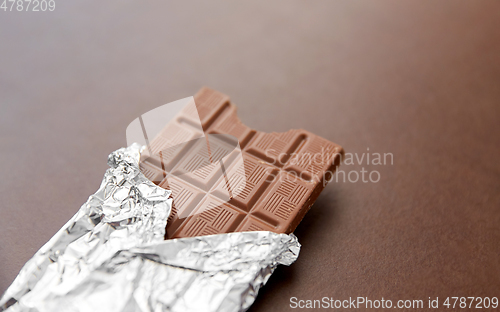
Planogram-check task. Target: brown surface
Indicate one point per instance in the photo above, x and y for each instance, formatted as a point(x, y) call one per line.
point(233, 178)
point(418, 79)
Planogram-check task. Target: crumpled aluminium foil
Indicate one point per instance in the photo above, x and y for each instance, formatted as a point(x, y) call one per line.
point(111, 256)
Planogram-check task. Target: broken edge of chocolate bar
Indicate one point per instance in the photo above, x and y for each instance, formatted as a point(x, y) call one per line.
point(269, 187)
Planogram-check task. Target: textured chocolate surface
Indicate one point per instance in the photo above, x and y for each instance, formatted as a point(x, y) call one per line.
point(271, 186)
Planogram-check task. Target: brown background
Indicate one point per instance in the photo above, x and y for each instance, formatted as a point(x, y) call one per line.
point(418, 79)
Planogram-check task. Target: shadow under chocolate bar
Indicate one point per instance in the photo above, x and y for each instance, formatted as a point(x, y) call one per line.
point(231, 178)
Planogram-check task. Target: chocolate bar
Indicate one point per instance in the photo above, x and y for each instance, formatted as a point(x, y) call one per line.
point(227, 177)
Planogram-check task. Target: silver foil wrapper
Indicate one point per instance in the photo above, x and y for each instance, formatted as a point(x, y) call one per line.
point(112, 256)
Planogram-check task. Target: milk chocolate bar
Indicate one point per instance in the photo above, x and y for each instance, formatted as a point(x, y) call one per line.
point(227, 177)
